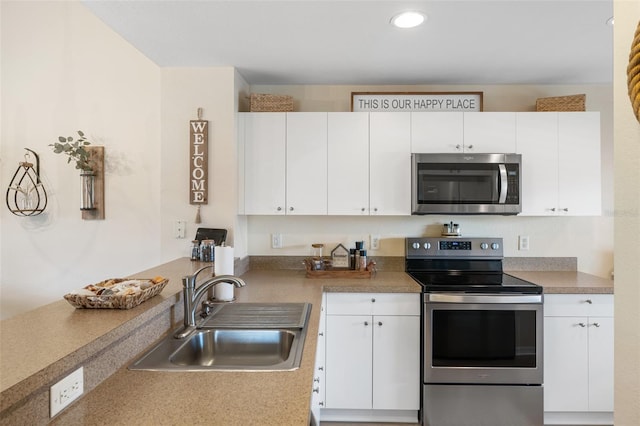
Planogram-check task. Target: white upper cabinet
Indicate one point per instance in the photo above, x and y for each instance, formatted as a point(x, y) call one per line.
point(306, 169)
point(348, 163)
point(537, 140)
point(560, 163)
point(390, 163)
point(437, 132)
point(264, 149)
point(579, 158)
point(458, 132)
point(490, 132)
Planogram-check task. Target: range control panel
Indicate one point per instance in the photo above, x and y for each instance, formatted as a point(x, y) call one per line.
point(453, 247)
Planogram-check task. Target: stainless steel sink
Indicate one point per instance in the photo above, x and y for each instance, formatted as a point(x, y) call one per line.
point(256, 344)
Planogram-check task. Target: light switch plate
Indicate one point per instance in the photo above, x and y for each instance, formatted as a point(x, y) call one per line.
point(375, 242)
point(66, 391)
point(523, 242)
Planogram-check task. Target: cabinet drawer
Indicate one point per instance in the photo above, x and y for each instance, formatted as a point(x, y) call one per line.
point(373, 304)
point(568, 305)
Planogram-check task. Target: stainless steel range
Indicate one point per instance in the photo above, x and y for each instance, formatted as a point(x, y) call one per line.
point(482, 335)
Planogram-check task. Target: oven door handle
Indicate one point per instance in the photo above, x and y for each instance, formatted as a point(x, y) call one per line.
point(504, 184)
point(482, 298)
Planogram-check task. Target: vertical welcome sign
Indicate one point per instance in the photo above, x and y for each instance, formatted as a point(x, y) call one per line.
point(199, 170)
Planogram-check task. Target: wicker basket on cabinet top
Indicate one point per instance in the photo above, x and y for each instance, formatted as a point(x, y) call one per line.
point(263, 102)
point(561, 103)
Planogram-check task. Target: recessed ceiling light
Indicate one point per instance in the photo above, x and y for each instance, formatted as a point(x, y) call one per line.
point(409, 19)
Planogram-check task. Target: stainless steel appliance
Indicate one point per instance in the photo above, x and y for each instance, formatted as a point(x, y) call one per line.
point(466, 184)
point(481, 335)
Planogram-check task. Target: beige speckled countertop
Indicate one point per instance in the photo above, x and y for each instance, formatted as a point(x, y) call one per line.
point(566, 282)
point(40, 347)
point(144, 397)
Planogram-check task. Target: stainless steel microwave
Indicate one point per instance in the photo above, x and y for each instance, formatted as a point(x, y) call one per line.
point(466, 184)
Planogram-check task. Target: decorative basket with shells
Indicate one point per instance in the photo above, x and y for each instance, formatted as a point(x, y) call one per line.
point(116, 293)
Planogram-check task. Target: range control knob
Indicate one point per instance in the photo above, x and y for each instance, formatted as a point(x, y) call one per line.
point(416, 246)
point(484, 246)
point(427, 246)
point(495, 246)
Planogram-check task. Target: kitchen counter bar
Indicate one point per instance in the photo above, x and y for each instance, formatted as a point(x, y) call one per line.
point(42, 346)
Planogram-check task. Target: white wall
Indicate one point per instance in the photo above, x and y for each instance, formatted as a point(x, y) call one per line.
point(590, 239)
point(64, 70)
point(627, 224)
point(184, 90)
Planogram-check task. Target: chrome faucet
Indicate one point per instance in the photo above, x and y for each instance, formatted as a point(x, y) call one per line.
point(191, 296)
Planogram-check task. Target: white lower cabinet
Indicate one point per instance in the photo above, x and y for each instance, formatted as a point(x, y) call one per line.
point(578, 359)
point(372, 357)
point(318, 393)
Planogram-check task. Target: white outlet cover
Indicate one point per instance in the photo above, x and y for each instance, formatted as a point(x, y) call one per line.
point(66, 391)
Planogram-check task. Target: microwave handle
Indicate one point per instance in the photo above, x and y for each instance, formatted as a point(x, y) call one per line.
point(504, 183)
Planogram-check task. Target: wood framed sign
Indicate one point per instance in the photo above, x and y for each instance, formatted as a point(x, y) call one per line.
point(199, 161)
point(416, 101)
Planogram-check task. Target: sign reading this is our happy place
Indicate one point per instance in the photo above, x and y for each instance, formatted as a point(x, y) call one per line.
point(419, 101)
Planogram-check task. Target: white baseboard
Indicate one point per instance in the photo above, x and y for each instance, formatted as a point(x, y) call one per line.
point(381, 416)
point(578, 418)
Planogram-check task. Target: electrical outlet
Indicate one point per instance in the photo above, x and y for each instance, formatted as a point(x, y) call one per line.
point(66, 391)
point(180, 229)
point(523, 242)
point(276, 241)
point(374, 242)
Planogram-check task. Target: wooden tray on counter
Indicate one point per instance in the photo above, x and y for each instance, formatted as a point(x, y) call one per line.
point(342, 273)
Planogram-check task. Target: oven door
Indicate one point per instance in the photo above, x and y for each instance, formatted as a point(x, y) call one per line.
point(483, 338)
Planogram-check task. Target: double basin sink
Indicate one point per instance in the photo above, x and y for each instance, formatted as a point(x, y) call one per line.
point(236, 337)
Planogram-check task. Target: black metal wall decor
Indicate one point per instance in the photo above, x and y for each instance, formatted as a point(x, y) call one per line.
point(26, 195)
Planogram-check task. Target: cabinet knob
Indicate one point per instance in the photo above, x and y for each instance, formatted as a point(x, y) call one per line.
point(321, 368)
point(366, 323)
point(596, 324)
point(379, 322)
point(316, 379)
point(373, 300)
point(589, 301)
point(362, 209)
point(566, 209)
point(470, 146)
point(279, 209)
point(581, 324)
point(290, 209)
point(316, 390)
point(321, 404)
point(375, 209)
point(553, 209)
point(321, 333)
point(458, 147)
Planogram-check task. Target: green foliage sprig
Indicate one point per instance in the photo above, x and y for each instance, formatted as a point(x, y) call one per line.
point(75, 150)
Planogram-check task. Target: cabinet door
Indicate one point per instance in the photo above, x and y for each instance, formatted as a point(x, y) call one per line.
point(390, 163)
point(264, 150)
point(566, 381)
point(306, 167)
point(537, 142)
point(436, 132)
point(348, 362)
point(396, 362)
point(579, 159)
point(318, 389)
point(601, 350)
point(490, 132)
point(348, 161)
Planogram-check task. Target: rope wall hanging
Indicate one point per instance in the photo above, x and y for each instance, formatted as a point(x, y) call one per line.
point(633, 74)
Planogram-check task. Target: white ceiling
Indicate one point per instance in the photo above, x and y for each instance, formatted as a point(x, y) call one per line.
point(352, 42)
